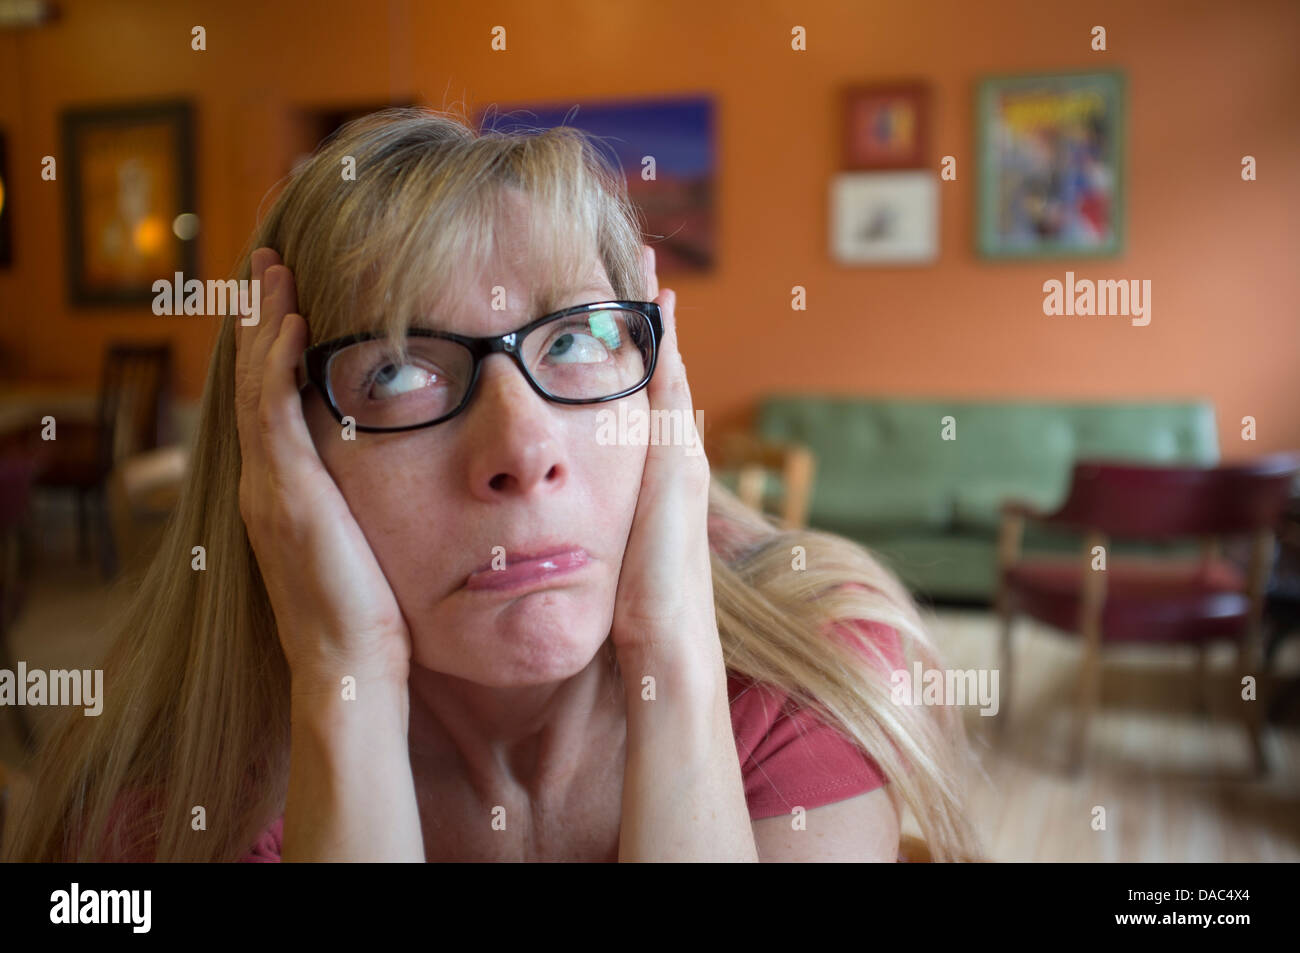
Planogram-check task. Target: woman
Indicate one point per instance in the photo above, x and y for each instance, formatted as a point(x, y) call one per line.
point(440, 619)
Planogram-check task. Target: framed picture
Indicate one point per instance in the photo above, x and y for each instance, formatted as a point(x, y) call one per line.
point(1051, 165)
point(311, 127)
point(886, 127)
point(666, 151)
point(882, 218)
point(131, 200)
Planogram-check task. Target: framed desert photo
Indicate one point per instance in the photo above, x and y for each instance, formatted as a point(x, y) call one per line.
point(131, 197)
point(1051, 158)
point(665, 148)
point(885, 127)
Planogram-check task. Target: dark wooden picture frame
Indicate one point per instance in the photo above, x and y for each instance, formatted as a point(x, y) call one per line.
point(866, 106)
point(130, 172)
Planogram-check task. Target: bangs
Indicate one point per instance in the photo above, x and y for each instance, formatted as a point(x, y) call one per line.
point(422, 220)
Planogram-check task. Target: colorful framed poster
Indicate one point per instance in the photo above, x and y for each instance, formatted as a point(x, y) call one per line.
point(674, 192)
point(886, 127)
point(1051, 156)
point(130, 178)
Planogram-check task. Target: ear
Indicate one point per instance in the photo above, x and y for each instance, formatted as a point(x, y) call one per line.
point(651, 277)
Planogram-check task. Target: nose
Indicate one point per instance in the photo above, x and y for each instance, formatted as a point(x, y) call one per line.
point(515, 445)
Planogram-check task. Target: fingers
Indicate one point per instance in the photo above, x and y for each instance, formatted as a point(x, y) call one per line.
point(651, 275)
point(669, 389)
point(260, 260)
point(286, 441)
point(247, 377)
point(670, 396)
point(272, 430)
point(279, 297)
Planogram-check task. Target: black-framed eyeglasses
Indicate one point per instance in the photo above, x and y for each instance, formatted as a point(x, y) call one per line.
point(587, 354)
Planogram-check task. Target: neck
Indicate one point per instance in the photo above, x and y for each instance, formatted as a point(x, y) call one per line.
point(534, 736)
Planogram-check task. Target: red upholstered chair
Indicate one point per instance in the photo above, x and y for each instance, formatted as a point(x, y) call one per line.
point(1148, 600)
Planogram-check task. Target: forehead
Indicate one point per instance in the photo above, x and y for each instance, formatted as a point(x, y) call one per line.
point(504, 295)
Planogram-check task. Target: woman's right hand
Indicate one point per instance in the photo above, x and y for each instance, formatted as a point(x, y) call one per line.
point(335, 610)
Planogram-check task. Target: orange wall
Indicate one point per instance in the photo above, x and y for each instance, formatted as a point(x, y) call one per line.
point(1208, 83)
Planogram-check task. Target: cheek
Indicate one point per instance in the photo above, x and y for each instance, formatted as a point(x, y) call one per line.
point(610, 475)
point(381, 478)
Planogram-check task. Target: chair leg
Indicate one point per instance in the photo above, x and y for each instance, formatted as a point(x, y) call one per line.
point(1201, 680)
point(107, 548)
point(83, 530)
point(1089, 693)
point(1007, 619)
point(1252, 711)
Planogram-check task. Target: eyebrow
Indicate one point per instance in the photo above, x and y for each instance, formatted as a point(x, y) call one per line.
point(543, 303)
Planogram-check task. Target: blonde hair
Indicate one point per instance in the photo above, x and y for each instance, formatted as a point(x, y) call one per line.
point(197, 706)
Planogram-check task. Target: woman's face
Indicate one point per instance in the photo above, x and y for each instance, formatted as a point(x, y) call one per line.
point(512, 470)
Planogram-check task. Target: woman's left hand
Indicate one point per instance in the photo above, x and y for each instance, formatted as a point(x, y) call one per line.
point(664, 618)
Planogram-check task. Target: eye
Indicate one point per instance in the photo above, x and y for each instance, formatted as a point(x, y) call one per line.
point(394, 380)
point(574, 346)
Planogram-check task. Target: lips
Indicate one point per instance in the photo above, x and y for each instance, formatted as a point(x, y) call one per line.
point(527, 568)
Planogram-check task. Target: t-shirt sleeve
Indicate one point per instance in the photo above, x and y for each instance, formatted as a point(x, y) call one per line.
point(788, 756)
point(267, 848)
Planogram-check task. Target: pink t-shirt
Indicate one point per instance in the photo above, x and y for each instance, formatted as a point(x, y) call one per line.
point(788, 758)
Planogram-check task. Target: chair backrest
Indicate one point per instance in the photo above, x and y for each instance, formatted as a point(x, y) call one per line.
point(1163, 502)
point(134, 400)
point(753, 458)
point(17, 474)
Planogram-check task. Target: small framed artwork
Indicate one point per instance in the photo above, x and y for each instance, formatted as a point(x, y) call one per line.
point(131, 216)
point(1051, 165)
point(880, 218)
point(886, 127)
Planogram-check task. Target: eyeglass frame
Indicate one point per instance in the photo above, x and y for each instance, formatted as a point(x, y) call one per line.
point(316, 358)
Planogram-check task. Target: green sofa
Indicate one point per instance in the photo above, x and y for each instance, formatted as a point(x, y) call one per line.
point(930, 506)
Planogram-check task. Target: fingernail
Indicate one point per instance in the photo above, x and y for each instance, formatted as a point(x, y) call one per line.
point(271, 281)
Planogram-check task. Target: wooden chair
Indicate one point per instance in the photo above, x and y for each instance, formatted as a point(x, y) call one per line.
point(132, 416)
point(753, 458)
point(1148, 600)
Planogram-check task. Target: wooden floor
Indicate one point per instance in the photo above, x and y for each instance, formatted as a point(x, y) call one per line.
point(1174, 782)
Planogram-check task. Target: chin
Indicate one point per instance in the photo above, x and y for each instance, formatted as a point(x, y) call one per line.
point(534, 639)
